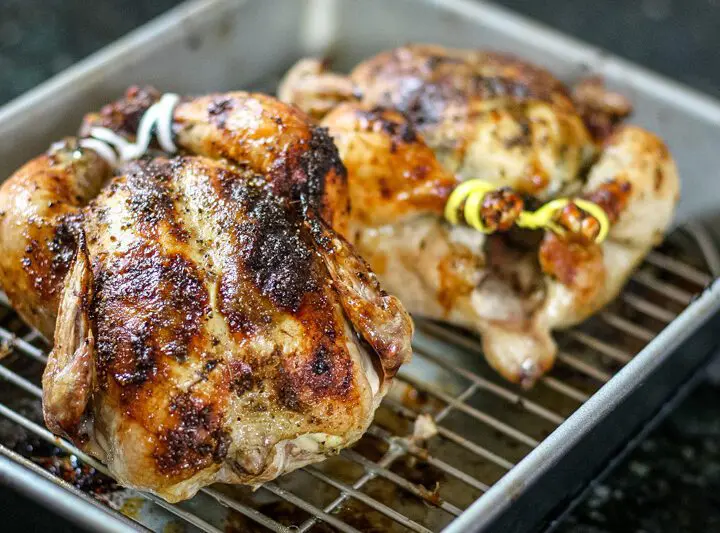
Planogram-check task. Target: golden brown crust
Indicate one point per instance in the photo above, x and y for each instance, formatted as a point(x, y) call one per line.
point(467, 104)
point(153, 316)
point(248, 129)
point(612, 196)
point(194, 438)
point(578, 266)
point(425, 81)
point(577, 225)
point(39, 220)
point(123, 115)
point(274, 140)
point(395, 174)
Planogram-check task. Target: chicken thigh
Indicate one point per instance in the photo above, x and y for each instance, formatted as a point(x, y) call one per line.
point(413, 123)
point(209, 324)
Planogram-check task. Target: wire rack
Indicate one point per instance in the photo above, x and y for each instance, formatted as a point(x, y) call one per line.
point(389, 481)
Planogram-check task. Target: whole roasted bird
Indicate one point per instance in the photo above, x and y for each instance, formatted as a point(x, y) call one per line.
point(412, 123)
point(209, 324)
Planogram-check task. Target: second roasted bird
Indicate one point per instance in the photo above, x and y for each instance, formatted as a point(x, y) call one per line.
point(412, 123)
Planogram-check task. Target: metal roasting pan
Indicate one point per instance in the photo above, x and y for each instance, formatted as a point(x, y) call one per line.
point(505, 459)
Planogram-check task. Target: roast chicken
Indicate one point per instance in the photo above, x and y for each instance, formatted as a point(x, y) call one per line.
point(209, 323)
point(413, 123)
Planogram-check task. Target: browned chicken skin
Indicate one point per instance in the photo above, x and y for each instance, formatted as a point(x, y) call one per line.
point(209, 325)
point(413, 122)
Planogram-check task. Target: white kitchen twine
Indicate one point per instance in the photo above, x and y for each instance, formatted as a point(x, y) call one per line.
point(116, 149)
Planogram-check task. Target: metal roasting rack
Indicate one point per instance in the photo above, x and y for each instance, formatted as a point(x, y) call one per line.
point(389, 481)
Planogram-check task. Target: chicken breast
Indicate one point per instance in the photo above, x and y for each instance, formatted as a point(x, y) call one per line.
point(211, 325)
point(413, 123)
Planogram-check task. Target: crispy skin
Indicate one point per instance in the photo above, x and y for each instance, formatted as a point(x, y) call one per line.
point(485, 115)
point(253, 130)
point(211, 326)
point(39, 221)
point(301, 159)
point(233, 319)
point(395, 173)
point(421, 118)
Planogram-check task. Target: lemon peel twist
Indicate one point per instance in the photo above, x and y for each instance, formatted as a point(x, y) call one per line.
point(470, 195)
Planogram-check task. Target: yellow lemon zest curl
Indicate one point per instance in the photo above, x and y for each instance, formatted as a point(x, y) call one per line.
point(471, 192)
point(470, 195)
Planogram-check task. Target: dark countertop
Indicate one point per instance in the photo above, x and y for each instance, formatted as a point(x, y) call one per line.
point(669, 483)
